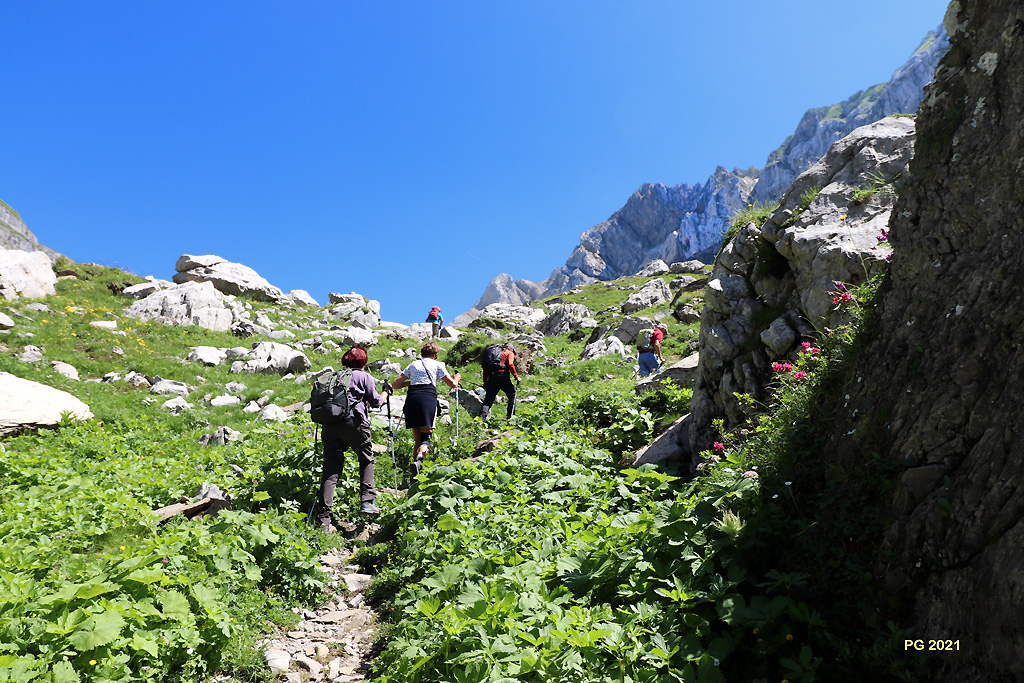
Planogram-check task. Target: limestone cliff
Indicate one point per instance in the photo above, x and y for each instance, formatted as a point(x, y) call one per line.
point(943, 377)
point(685, 222)
point(14, 234)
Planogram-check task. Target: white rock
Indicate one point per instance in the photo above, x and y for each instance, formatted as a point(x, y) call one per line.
point(603, 347)
point(251, 407)
point(227, 277)
point(176, 405)
point(192, 303)
point(655, 267)
point(273, 357)
point(25, 404)
point(273, 413)
point(208, 355)
point(301, 297)
point(169, 386)
point(6, 322)
point(141, 291)
point(27, 274)
point(278, 661)
point(235, 387)
point(31, 354)
point(225, 400)
point(65, 369)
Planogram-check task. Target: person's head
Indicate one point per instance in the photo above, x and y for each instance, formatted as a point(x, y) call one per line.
point(430, 350)
point(354, 358)
point(664, 328)
point(508, 346)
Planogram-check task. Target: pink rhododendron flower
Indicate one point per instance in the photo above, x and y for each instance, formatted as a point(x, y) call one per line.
point(719, 446)
point(800, 375)
point(809, 348)
point(884, 237)
point(782, 367)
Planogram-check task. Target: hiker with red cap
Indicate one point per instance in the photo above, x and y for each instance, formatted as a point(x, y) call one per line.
point(436, 320)
point(354, 434)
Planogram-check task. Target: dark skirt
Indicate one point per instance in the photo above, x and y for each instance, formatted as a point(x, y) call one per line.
point(420, 406)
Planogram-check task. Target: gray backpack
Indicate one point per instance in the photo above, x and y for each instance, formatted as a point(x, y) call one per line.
point(328, 401)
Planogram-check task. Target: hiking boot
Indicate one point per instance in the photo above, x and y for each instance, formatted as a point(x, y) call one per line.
point(328, 528)
point(369, 508)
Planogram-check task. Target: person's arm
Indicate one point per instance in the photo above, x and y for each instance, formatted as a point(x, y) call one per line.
point(401, 382)
point(657, 350)
point(452, 382)
point(512, 364)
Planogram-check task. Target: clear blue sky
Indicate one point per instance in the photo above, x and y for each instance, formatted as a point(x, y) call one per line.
point(409, 151)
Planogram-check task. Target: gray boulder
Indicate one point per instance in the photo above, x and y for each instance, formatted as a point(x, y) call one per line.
point(273, 413)
point(654, 268)
point(653, 293)
point(566, 318)
point(223, 435)
point(169, 387)
point(28, 405)
point(6, 322)
point(27, 274)
point(301, 297)
point(176, 405)
point(272, 357)
point(65, 369)
point(227, 277)
point(514, 315)
point(682, 373)
point(603, 347)
point(672, 444)
point(630, 327)
point(207, 355)
point(192, 303)
point(691, 266)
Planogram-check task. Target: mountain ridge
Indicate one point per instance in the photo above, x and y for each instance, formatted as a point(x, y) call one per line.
point(684, 221)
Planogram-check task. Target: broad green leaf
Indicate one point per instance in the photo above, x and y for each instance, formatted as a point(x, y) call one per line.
point(260, 496)
point(64, 672)
point(97, 631)
point(146, 576)
point(175, 606)
point(447, 523)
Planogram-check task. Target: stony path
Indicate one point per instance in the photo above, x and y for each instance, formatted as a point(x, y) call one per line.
point(331, 643)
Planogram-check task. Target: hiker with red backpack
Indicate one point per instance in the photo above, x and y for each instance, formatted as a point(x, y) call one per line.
point(648, 343)
point(346, 425)
point(498, 362)
point(436, 320)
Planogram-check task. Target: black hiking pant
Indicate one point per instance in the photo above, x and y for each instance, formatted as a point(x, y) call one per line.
point(336, 441)
point(499, 381)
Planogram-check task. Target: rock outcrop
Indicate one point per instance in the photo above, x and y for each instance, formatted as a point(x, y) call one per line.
point(25, 404)
point(192, 303)
point(228, 278)
point(941, 382)
point(772, 286)
point(14, 234)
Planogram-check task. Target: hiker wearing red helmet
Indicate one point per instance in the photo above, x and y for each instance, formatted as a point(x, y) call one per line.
point(337, 438)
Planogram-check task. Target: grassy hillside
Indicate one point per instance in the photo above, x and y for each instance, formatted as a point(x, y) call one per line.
point(545, 559)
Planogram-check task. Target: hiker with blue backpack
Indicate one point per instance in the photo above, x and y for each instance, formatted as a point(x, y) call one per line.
point(421, 376)
point(648, 343)
point(339, 402)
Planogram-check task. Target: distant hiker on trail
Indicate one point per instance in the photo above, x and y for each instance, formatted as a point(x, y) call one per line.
point(436, 320)
point(648, 343)
point(352, 431)
point(499, 366)
point(421, 377)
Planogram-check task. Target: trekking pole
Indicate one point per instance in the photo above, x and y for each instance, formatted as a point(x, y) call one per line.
point(391, 435)
point(309, 517)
